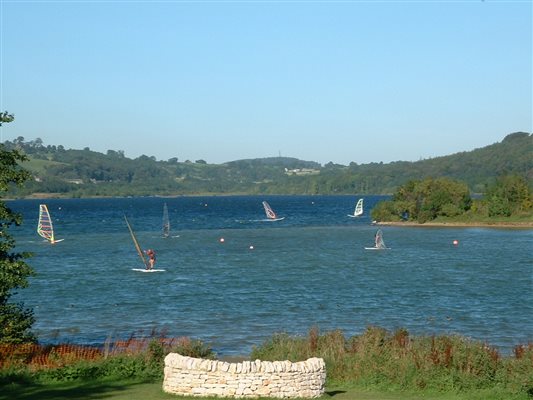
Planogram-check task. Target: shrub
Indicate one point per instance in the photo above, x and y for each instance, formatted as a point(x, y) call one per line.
point(191, 347)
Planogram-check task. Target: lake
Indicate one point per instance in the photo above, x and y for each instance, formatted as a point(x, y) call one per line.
point(310, 269)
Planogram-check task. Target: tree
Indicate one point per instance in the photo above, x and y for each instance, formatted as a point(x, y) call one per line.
point(15, 319)
point(6, 117)
point(509, 195)
point(425, 200)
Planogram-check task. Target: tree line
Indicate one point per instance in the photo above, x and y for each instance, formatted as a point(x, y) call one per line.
point(430, 199)
point(78, 173)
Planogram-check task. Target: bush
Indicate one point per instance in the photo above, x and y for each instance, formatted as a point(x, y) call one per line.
point(191, 348)
point(499, 207)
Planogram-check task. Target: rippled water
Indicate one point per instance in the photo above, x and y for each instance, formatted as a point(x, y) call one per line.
point(310, 269)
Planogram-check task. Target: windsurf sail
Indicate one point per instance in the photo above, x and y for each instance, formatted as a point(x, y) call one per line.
point(379, 242)
point(45, 227)
point(166, 222)
point(136, 243)
point(358, 211)
point(270, 214)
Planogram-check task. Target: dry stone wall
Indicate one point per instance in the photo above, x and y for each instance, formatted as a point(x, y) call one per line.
point(189, 376)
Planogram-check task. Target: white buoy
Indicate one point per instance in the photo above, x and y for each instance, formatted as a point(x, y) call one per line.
point(221, 240)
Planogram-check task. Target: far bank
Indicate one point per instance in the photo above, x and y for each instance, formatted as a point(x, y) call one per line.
point(470, 224)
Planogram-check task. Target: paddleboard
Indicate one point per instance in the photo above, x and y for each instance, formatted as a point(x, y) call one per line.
point(147, 270)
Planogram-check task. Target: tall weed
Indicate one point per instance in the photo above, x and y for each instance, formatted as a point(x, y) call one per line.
point(135, 357)
point(380, 359)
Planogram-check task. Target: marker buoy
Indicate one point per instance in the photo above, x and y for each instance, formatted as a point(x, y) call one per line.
point(455, 242)
point(251, 247)
point(221, 240)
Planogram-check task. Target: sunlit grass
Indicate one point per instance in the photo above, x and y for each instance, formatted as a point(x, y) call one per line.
point(374, 365)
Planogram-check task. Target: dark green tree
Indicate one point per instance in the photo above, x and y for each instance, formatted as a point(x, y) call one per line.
point(15, 319)
point(425, 200)
point(509, 195)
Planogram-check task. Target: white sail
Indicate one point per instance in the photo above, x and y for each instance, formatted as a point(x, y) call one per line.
point(358, 211)
point(379, 243)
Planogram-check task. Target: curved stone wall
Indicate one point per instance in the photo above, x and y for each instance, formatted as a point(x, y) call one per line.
point(282, 379)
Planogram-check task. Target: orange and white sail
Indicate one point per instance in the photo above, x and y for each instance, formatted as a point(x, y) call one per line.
point(270, 214)
point(45, 227)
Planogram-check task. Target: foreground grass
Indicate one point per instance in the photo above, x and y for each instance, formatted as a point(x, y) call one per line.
point(374, 365)
point(142, 390)
point(100, 389)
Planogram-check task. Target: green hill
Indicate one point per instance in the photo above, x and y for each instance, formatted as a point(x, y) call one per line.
point(78, 173)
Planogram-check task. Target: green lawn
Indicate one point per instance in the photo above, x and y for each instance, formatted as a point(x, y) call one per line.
point(137, 390)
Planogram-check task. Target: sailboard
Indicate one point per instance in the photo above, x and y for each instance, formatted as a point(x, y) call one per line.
point(358, 211)
point(137, 247)
point(379, 242)
point(45, 227)
point(166, 222)
point(270, 214)
point(147, 270)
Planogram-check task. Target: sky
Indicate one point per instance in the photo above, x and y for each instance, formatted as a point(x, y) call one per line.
point(335, 81)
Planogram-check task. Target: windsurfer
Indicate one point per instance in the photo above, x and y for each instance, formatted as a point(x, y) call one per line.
point(151, 258)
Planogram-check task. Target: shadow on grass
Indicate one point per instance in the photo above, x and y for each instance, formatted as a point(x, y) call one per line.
point(26, 389)
point(333, 393)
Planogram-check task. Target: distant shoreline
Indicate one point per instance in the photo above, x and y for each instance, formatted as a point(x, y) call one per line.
point(451, 224)
point(57, 196)
point(496, 224)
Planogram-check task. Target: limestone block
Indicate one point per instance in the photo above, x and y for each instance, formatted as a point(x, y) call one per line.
point(269, 367)
point(245, 367)
point(198, 391)
point(277, 366)
point(190, 363)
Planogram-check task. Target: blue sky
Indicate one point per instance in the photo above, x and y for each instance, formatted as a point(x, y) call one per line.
point(333, 81)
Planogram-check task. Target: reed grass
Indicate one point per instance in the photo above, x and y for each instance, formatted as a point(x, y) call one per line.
point(381, 359)
point(141, 357)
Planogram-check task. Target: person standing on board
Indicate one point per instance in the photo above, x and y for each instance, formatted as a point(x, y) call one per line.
point(151, 258)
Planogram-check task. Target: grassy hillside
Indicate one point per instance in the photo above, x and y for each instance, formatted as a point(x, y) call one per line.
point(88, 173)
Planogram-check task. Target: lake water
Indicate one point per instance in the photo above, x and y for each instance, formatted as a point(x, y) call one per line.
point(308, 270)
